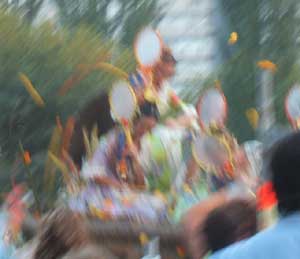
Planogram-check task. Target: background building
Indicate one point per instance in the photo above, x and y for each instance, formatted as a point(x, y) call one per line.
point(190, 28)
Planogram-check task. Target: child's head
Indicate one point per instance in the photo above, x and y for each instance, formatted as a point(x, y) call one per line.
point(230, 223)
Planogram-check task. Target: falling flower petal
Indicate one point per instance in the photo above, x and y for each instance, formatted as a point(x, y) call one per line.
point(233, 38)
point(143, 238)
point(267, 65)
point(31, 90)
point(27, 158)
point(253, 117)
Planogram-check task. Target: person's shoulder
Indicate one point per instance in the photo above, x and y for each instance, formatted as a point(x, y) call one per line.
point(232, 252)
point(250, 248)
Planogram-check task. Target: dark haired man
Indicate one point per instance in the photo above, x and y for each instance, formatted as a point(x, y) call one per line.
point(229, 223)
point(282, 240)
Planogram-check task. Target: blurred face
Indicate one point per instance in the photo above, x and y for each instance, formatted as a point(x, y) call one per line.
point(144, 125)
point(165, 69)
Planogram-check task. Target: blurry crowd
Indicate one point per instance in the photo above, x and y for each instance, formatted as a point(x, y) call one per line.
point(230, 222)
point(222, 226)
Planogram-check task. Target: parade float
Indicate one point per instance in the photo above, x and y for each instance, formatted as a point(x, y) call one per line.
point(183, 163)
point(133, 199)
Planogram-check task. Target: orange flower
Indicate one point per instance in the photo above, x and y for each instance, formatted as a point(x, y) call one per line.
point(123, 165)
point(266, 197)
point(125, 122)
point(228, 168)
point(180, 251)
point(27, 158)
point(267, 65)
point(175, 100)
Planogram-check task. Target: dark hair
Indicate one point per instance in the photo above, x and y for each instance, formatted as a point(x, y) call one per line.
point(167, 56)
point(229, 223)
point(285, 172)
point(148, 109)
point(96, 112)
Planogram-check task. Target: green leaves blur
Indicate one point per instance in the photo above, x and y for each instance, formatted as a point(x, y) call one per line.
point(267, 29)
point(48, 57)
point(122, 17)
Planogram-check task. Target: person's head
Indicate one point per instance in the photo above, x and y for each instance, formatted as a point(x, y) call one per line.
point(230, 223)
point(144, 125)
point(284, 169)
point(146, 120)
point(165, 68)
point(61, 231)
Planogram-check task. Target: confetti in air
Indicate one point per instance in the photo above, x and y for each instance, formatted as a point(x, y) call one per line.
point(253, 117)
point(233, 38)
point(31, 90)
point(267, 65)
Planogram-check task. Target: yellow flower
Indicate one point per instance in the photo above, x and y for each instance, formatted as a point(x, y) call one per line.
point(233, 38)
point(143, 238)
point(267, 65)
point(149, 95)
point(253, 117)
point(98, 213)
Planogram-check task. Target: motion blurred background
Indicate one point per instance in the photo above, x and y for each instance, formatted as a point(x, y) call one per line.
point(52, 40)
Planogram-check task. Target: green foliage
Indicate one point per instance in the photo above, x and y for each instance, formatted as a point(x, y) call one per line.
point(267, 30)
point(48, 58)
point(130, 16)
point(29, 9)
point(138, 14)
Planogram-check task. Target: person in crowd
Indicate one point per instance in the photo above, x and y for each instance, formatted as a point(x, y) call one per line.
point(97, 111)
point(194, 219)
point(229, 223)
point(283, 239)
point(104, 167)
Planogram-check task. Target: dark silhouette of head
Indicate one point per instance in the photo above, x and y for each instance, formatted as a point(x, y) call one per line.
point(230, 223)
point(284, 169)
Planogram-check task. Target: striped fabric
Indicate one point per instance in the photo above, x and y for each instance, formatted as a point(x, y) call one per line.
point(137, 80)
